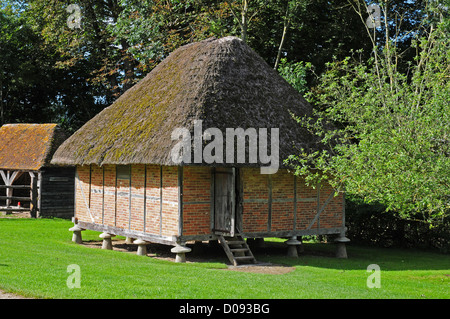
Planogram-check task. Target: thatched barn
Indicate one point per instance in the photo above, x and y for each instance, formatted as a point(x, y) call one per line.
point(28, 182)
point(129, 182)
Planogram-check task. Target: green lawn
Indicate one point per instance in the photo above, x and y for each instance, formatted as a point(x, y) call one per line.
point(35, 254)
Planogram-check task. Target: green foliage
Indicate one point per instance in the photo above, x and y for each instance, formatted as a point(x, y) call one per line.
point(67, 75)
point(388, 137)
point(33, 88)
point(295, 74)
point(72, 73)
point(29, 87)
point(139, 28)
point(371, 224)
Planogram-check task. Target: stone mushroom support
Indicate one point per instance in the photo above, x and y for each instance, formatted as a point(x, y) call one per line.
point(292, 246)
point(142, 247)
point(76, 237)
point(107, 242)
point(180, 250)
point(341, 250)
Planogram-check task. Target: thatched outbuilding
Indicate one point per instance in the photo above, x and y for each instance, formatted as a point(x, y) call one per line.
point(196, 103)
point(28, 183)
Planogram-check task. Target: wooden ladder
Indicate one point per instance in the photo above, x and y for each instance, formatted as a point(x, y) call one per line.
point(237, 249)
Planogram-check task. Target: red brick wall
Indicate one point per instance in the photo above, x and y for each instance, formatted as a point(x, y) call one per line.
point(109, 200)
point(96, 200)
point(153, 206)
point(332, 215)
point(255, 200)
point(196, 200)
point(306, 204)
point(170, 200)
point(256, 207)
point(137, 198)
point(282, 201)
point(122, 202)
point(109, 212)
point(82, 179)
point(115, 202)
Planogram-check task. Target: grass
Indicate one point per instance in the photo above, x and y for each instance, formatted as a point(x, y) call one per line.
point(35, 254)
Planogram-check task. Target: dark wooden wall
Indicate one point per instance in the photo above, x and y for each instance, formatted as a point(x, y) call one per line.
point(58, 192)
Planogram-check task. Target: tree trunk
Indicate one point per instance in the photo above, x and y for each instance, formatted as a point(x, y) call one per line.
point(244, 20)
point(287, 23)
point(280, 48)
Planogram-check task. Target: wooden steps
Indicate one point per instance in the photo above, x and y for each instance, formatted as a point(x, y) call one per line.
point(237, 250)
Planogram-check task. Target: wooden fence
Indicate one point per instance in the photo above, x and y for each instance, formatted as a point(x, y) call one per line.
point(6, 202)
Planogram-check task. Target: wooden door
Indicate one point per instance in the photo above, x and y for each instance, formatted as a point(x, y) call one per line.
point(224, 201)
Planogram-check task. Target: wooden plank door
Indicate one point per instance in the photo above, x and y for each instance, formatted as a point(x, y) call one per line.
point(224, 201)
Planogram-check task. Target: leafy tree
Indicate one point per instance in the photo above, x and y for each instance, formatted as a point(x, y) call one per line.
point(295, 73)
point(81, 68)
point(33, 86)
point(88, 45)
point(388, 137)
point(26, 93)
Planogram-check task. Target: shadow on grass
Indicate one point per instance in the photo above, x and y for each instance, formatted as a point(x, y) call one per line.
point(274, 251)
point(321, 255)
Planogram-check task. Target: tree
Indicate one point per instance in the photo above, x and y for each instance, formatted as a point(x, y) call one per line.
point(309, 31)
point(83, 54)
point(25, 90)
point(387, 136)
point(89, 43)
point(295, 73)
point(289, 20)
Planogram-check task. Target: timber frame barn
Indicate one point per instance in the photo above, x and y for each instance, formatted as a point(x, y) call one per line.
point(128, 184)
point(28, 183)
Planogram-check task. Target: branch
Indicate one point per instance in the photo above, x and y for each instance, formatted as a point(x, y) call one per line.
point(372, 39)
point(234, 15)
point(287, 22)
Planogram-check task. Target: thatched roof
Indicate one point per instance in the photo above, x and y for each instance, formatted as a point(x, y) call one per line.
point(28, 146)
point(222, 82)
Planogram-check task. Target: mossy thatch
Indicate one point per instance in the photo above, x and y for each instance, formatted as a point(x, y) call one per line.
point(28, 147)
point(222, 82)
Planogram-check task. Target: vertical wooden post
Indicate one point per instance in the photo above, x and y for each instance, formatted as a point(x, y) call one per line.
point(129, 196)
point(319, 185)
point(34, 195)
point(145, 197)
point(269, 203)
point(9, 191)
point(5, 180)
point(103, 194)
point(295, 203)
point(39, 194)
point(115, 197)
point(180, 200)
point(160, 199)
point(212, 198)
point(239, 200)
point(9, 180)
